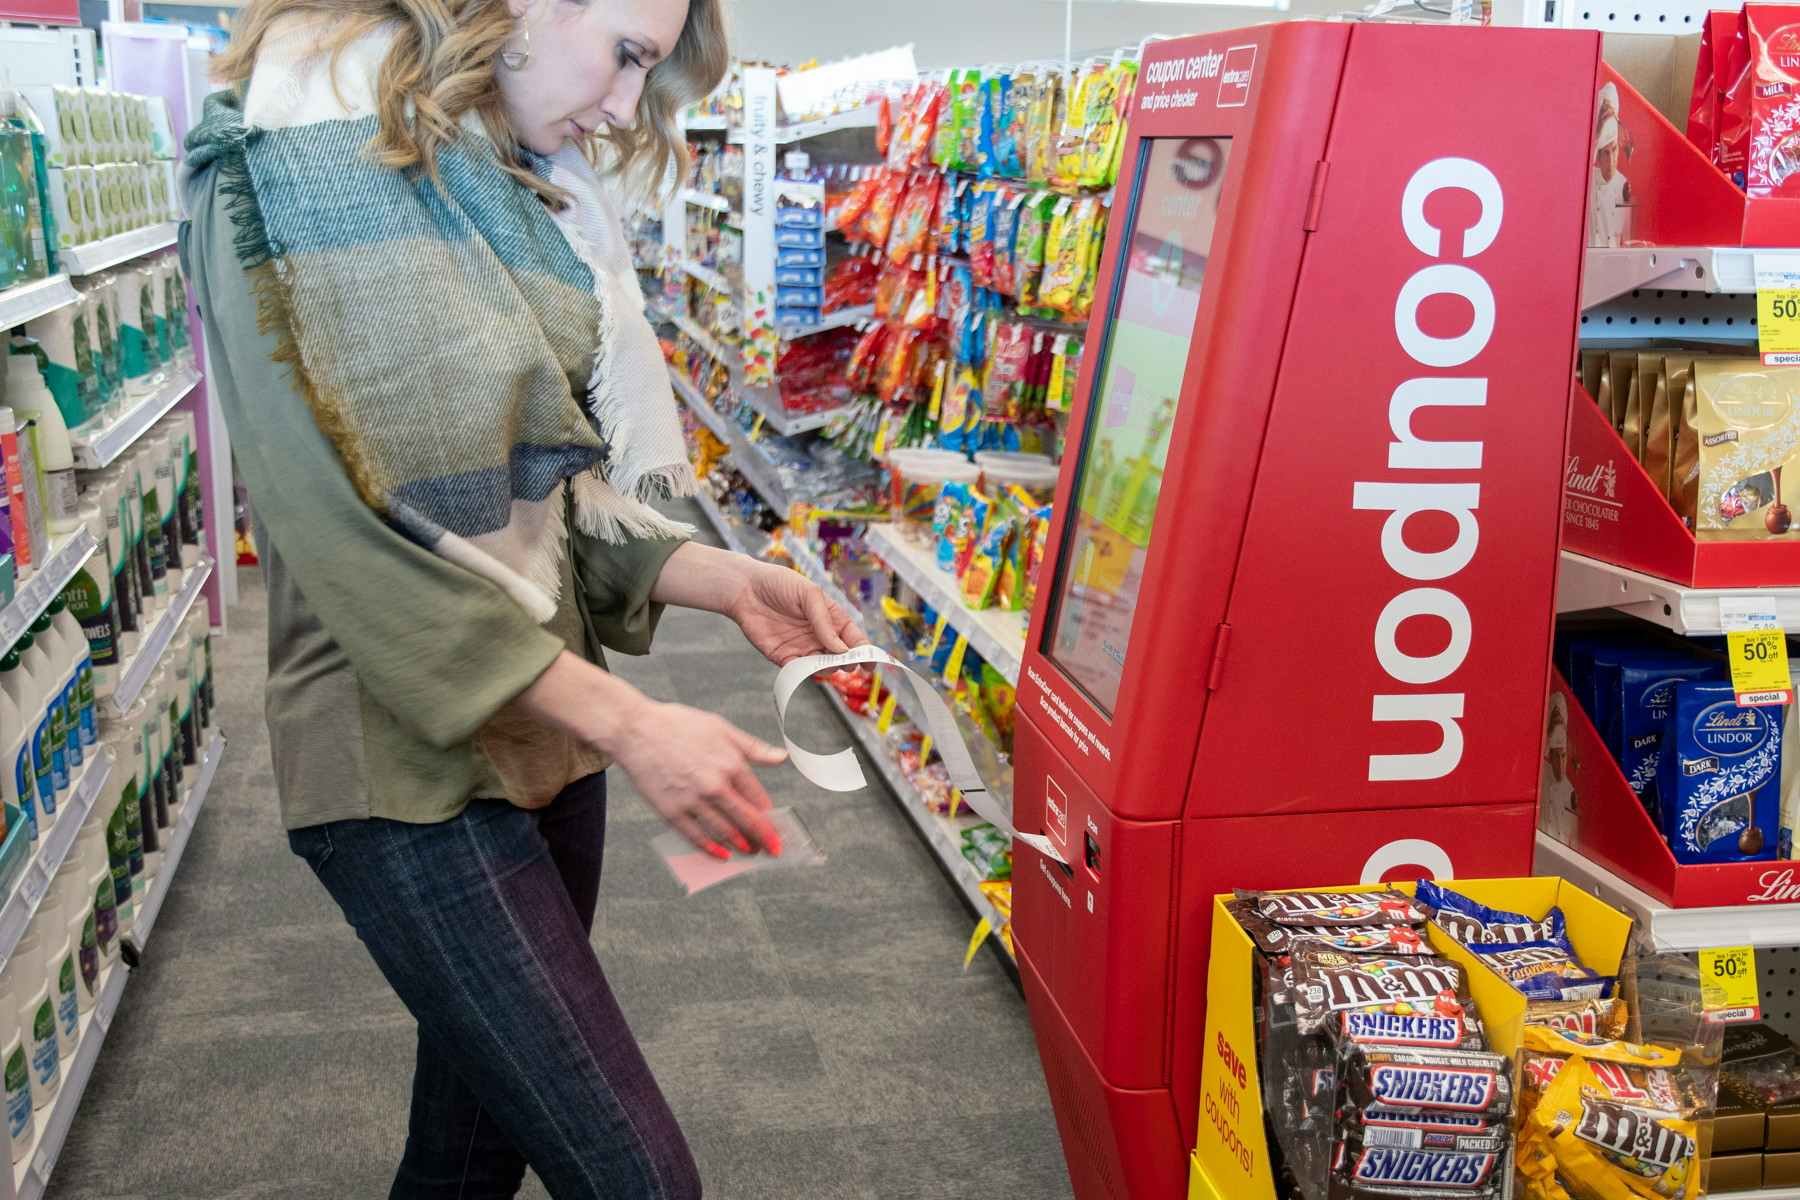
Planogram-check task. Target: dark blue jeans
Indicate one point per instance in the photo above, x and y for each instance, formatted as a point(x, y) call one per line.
point(481, 924)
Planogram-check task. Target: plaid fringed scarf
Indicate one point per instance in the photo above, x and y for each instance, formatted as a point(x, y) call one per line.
point(469, 353)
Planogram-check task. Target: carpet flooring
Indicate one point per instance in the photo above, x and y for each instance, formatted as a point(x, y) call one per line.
point(813, 1028)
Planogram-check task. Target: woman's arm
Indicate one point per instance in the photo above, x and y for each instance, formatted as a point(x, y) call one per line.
point(784, 614)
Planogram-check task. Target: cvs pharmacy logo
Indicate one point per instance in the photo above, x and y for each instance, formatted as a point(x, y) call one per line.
point(1234, 78)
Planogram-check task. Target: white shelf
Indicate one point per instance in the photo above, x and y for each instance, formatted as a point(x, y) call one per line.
point(67, 553)
point(723, 525)
point(1587, 583)
point(32, 1176)
point(767, 401)
point(29, 301)
point(56, 836)
point(744, 455)
point(942, 833)
point(703, 339)
point(709, 277)
point(707, 124)
point(110, 252)
point(1673, 930)
point(690, 396)
point(833, 320)
point(136, 673)
point(856, 118)
point(998, 636)
point(98, 446)
point(705, 200)
point(1714, 270)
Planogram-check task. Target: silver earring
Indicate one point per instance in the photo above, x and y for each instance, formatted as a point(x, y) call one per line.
point(515, 60)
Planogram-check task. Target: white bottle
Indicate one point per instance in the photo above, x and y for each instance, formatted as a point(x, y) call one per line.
point(149, 526)
point(30, 399)
point(60, 966)
point(92, 604)
point(16, 740)
point(12, 729)
point(158, 446)
point(81, 674)
point(37, 1017)
point(47, 742)
point(111, 488)
point(16, 1067)
point(66, 679)
point(78, 919)
point(167, 714)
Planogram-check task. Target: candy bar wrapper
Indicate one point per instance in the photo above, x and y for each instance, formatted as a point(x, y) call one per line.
point(1336, 909)
point(1411, 1077)
point(1271, 938)
point(1331, 985)
point(1426, 1129)
point(1370, 1170)
point(1607, 1019)
point(1469, 921)
point(1544, 971)
point(1606, 1144)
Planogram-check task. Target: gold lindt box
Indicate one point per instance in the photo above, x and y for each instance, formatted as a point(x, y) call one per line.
point(1745, 421)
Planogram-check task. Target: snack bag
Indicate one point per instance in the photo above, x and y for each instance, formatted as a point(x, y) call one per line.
point(1408, 1077)
point(981, 239)
point(1748, 433)
point(1417, 1000)
point(1605, 1019)
point(1336, 910)
point(982, 576)
point(912, 222)
point(1719, 777)
point(878, 221)
point(1030, 239)
point(1071, 138)
point(1068, 254)
point(1606, 1145)
point(1772, 166)
point(1468, 921)
point(993, 114)
point(1003, 224)
point(1012, 126)
point(1104, 123)
point(947, 218)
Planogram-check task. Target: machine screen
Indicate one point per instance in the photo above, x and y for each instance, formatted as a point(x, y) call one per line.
point(1155, 301)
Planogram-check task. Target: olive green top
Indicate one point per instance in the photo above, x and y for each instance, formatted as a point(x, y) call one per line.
point(388, 665)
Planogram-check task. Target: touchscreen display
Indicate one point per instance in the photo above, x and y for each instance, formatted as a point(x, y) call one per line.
point(1119, 482)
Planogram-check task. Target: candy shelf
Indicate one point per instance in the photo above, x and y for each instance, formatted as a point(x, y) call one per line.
point(67, 553)
point(997, 636)
point(767, 401)
point(97, 445)
point(136, 673)
point(31, 1178)
point(724, 526)
point(55, 839)
point(1683, 929)
point(1587, 583)
point(942, 834)
point(110, 252)
point(31, 300)
point(709, 277)
point(690, 396)
point(703, 339)
point(707, 124)
point(856, 118)
point(832, 320)
point(705, 200)
point(1714, 270)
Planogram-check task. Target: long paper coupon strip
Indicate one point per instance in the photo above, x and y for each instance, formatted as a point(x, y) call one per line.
point(840, 772)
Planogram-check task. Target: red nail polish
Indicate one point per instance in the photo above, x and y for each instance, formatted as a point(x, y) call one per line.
point(743, 844)
point(717, 851)
point(774, 846)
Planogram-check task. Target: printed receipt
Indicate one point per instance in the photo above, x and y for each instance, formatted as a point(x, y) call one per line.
point(840, 772)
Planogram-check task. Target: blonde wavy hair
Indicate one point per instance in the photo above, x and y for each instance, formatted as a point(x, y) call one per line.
point(442, 65)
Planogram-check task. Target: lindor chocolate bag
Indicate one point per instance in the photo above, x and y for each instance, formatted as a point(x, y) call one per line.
point(1748, 419)
point(1622, 371)
point(1659, 430)
point(1631, 424)
point(1772, 163)
point(1684, 468)
point(1593, 366)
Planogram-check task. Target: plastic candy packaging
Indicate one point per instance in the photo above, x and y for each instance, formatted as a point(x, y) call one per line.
point(1605, 1143)
point(912, 223)
point(878, 221)
point(1469, 921)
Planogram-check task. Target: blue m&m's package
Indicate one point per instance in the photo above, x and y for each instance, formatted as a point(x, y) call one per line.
point(1719, 781)
point(1469, 921)
point(1545, 970)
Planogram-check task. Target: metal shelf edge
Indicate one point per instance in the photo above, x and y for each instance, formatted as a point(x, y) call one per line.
point(34, 595)
point(138, 671)
point(979, 627)
point(102, 447)
point(29, 301)
point(122, 247)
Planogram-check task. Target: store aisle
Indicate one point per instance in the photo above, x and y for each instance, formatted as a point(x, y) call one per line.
point(813, 1028)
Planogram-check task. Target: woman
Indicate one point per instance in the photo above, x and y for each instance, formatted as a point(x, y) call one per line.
point(428, 345)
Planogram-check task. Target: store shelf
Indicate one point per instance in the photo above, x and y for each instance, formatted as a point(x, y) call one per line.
point(29, 301)
point(744, 455)
point(707, 124)
point(856, 118)
point(1673, 929)
point(55, 839)
point(136, 673)
point(709, 416)
point(834, 320)
point(999, 637)
point(703, 339)
point(67, 553)
point(941, 833)
point(32, 1176)
point(730, 532)
point(709, 277)
point(97, 445)
point(1714, 270)
point(1587, 583)
point(110, 252)
point(705, 200)
point(178, 836)
point(767, 401)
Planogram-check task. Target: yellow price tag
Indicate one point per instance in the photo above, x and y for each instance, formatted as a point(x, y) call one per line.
point(756, 427)
point(1778, 324)
point(937, 634)
point(1759, 666)
point(880, 438)
point(983, 927)
point(875, 687)
point(887, 714)
point(937, 391)
point(955, 802)
point(925, 755)
point(953, 667)
point(1730, 990)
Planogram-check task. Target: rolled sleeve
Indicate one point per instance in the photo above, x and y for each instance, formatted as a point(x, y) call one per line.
point(615, 584)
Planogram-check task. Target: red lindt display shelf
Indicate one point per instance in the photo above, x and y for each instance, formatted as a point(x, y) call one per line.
point(1614, 512)
point(1594, 812)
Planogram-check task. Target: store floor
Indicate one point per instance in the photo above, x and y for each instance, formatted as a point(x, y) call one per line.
point(814, 1029)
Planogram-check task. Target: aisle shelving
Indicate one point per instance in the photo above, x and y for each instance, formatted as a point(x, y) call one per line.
point(727, 529)
point(110, 252)
point(744, 456)
point(705, 200)
point(56, 836)
point(767, 401)
point(136, 673)
point(32, 597)
point(690, 396)
point(31, 1177)
point(29, 301)
point(1587, 583)
point(998, 636)
point(857, 118)
point(99, 445)
point(710, 278)
point(943, 834)
point(702, 339)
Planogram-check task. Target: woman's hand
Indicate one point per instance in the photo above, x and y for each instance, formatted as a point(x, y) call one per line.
point(786, 616)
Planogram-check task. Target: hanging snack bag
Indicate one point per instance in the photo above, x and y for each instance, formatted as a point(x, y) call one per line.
point(1069, 254)
point(981, 233)
point(911, 225)
point(1012, 129)
point(981, 579)
point(1103, 123)
point(878, 221)
point(1030, 240)
point(1071, 138)
point(947, 219)
point(993, 114)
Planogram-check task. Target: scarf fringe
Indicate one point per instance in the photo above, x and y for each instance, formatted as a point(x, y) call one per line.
point(600, 511)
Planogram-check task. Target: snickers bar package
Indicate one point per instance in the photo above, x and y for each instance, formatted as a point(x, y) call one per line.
point(1362, 1170)
point(1429, 995)
point(1405, 1078)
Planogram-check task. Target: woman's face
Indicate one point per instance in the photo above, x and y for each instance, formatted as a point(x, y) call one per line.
point(587, 66)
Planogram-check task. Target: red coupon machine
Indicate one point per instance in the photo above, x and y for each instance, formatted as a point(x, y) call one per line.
point(1295, 629)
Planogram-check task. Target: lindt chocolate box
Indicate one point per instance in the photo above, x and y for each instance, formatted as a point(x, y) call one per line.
point(1735, 1173)
point(1784, 1129)
point(1738, 1127)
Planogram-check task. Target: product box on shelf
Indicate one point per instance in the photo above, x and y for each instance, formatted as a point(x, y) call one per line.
point(1587, 804)
point(1232, 1158)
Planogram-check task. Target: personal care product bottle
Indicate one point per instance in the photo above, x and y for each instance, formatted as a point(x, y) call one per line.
point(41, 660)
point(15, 1064)
point(94, 609)
point(81, 671)
point(64, 970)
point(16, 739)
point(39, 715)
point(78, 918)
point(29, 396)
point(37, 1014)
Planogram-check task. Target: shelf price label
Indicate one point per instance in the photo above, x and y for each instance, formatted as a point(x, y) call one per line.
point(1757, 647)
point(1778, 308)
point(1730, 991)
